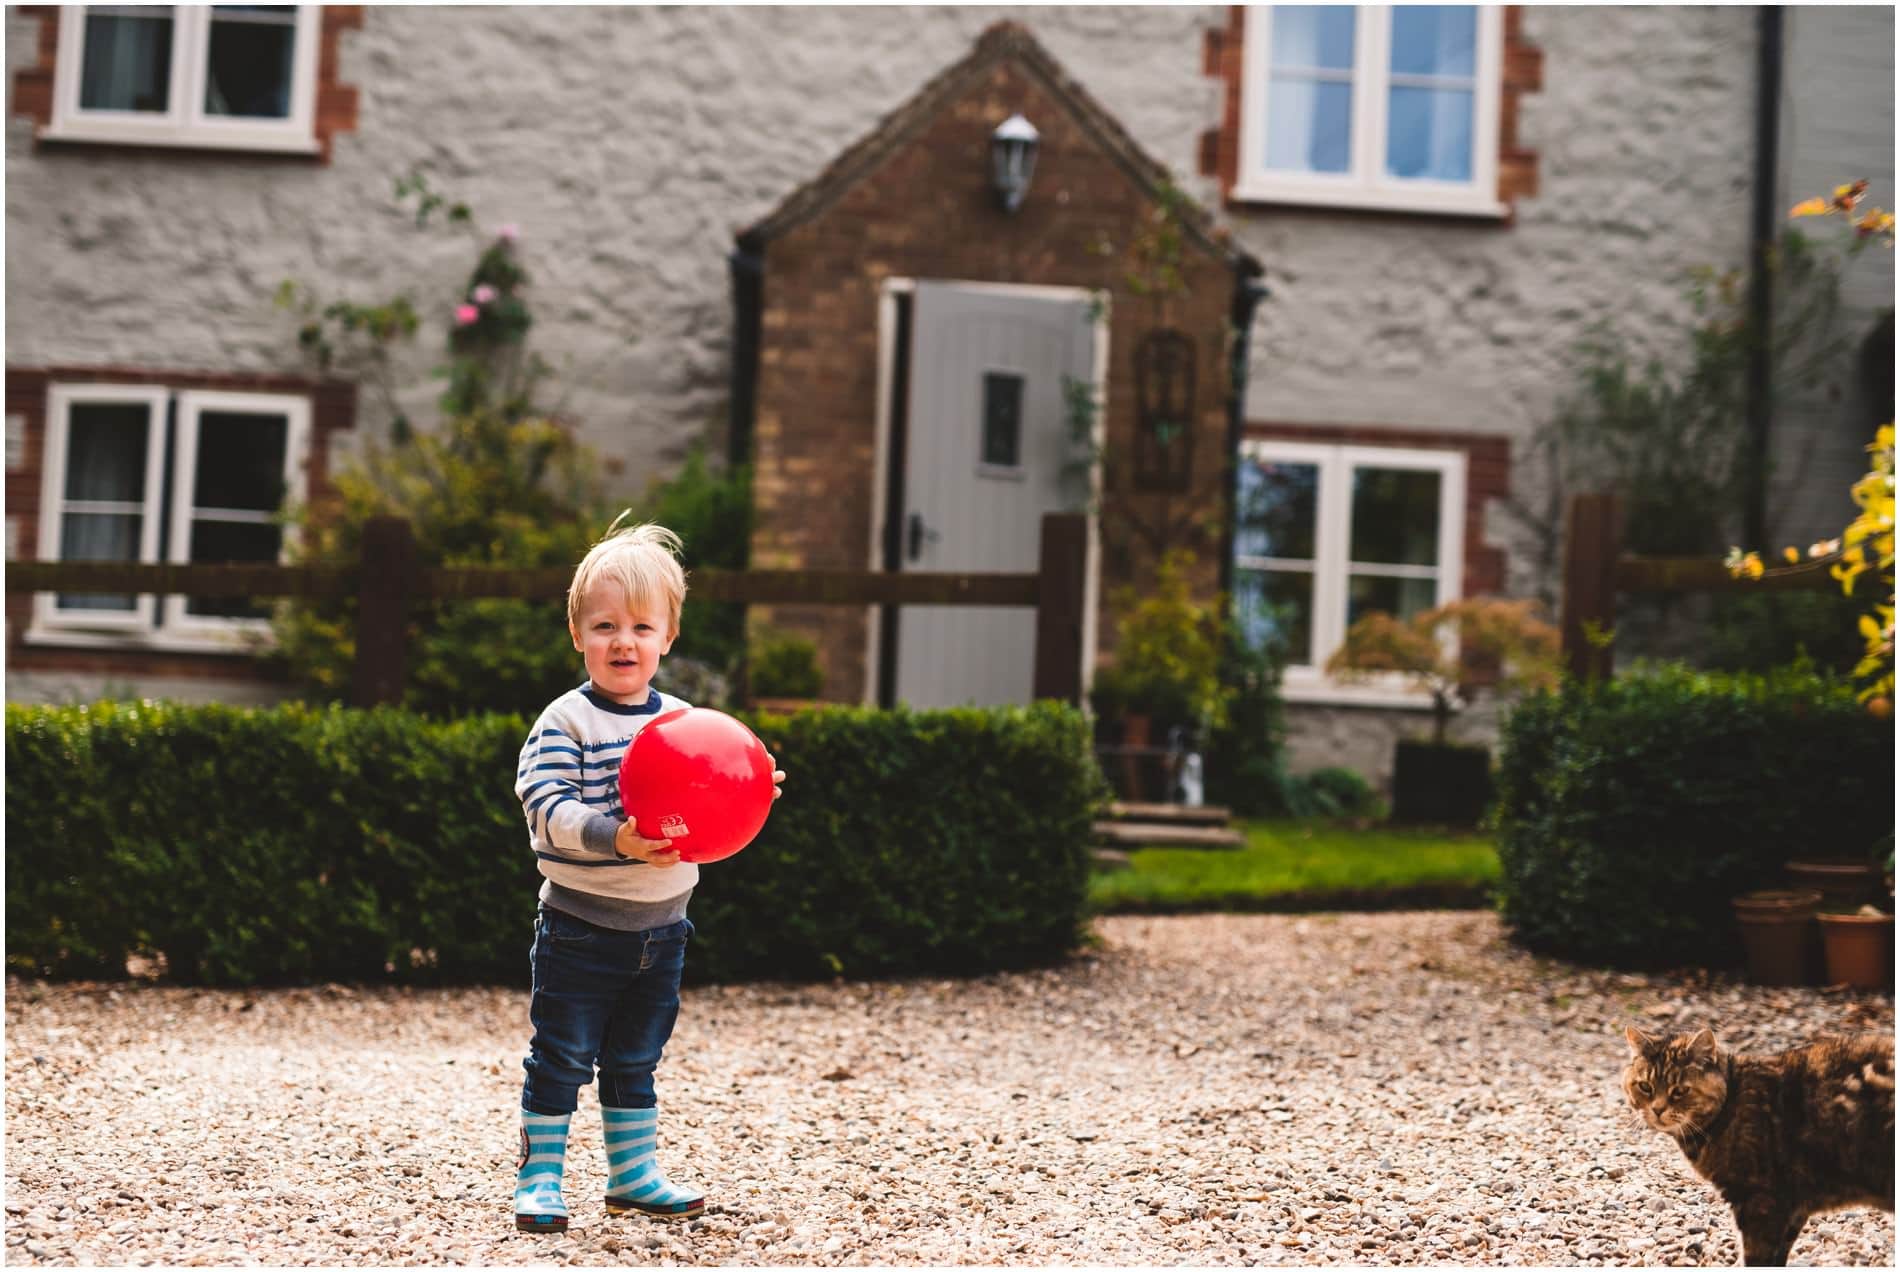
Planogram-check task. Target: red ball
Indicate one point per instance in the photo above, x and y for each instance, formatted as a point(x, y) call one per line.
point(698, 777)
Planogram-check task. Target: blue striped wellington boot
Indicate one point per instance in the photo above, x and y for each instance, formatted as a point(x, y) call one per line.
point(634, 1180)
point(538, 1204)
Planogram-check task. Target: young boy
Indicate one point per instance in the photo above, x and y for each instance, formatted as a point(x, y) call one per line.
point(610, 937)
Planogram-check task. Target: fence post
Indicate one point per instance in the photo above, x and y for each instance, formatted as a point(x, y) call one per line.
point(1592, 543)
point(387, 580)
point(1061, 571)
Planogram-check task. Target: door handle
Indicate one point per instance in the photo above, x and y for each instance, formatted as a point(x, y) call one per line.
point(916, 535)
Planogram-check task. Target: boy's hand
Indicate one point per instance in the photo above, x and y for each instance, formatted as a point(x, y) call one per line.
point(655, 852)
point(778, 775)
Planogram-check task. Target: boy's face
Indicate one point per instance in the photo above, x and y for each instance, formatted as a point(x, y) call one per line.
point(621, 645)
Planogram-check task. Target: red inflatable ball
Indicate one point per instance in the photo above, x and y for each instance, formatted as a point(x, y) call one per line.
point(698, 777)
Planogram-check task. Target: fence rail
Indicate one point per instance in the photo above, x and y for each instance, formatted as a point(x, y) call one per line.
point(1597, 570)
point(389, 580)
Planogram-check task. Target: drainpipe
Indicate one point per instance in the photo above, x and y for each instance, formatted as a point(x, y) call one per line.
point(747, 264)
point(1762, 238)
point(1249, 291)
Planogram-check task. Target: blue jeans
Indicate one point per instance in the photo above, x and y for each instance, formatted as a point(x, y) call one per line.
point(601, 998)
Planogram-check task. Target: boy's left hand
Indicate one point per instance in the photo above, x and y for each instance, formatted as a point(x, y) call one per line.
point(778, 775)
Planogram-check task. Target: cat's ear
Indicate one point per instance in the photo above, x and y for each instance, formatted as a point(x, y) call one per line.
point(1702, 1047)
point(1641, 1044)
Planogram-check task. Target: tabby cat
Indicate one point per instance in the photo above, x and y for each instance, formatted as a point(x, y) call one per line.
point(1782, 1136)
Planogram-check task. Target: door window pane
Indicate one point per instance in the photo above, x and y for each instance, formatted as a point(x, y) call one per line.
point(105, 451)
point(127, 62)
point(1278, 510)
point(1435, 39)
point(1394, 516)
point(240, 461)
point(1274, 609)
point(248, 63)
point(1401, 598)
point(1003, 420)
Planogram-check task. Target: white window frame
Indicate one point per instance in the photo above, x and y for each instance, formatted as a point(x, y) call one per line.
point(185, 123)
point(1364, 184)
point(1332, 569)
point(147, 626)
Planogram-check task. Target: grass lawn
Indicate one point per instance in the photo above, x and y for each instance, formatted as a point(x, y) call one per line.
point(1305, 865)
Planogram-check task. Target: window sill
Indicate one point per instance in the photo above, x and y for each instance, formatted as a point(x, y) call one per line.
point(1361, 199)
point(242, 643)
point(83, 135)
point(1316, 689)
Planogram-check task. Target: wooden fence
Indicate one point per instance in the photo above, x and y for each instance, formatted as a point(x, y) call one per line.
point(389, 579)
point(1596, 572)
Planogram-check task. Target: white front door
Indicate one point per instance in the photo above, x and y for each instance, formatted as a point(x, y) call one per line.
point(989, 447)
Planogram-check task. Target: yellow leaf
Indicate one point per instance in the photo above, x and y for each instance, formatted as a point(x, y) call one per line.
point(1790, 555)
point(1812, 207)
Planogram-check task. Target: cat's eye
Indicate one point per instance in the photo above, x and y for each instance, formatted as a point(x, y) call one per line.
point(1644, 1088)
point(1675, 1093)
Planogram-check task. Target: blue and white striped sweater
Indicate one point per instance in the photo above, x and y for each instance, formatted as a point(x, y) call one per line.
point(568, 781)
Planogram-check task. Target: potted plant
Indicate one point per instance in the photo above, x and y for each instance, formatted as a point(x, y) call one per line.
point(1162, 693)
point(1777, 929)
point(1453, 652)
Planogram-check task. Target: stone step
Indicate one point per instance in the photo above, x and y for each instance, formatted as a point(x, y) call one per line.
point(1169, 814)
point(1163, 835)
point(1110, 859)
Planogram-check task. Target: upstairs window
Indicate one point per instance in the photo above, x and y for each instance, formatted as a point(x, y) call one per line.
point(1372, 106)
point(142, 473)
point(239, 77)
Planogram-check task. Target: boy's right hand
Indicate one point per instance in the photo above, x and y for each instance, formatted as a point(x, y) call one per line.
point(655, 852)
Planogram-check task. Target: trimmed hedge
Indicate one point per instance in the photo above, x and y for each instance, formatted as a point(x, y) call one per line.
point(1629, 813)
point(296, 844)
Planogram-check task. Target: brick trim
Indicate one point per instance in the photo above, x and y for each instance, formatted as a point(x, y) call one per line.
point(1487, 477)
point(334, 108)
point(1523, 72)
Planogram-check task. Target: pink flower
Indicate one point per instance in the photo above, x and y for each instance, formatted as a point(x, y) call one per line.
point(483, 294)
point(508, 233)
point(466, 314)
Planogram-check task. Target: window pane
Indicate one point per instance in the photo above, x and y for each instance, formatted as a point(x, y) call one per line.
point(240, 461)
point(1313, 36)
point(248, 64)
point(1394, 516)
point(1309, 125)
point(127, 62)
point(1279, 506)
point(1274, 609)
point(1003, 419)
point(105, 451)
point(232, 541)
point(90, 536)
point(1429, 134)
point(1402, 597)
point(1435, 39)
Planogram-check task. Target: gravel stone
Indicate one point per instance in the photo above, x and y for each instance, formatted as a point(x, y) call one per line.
point(1215, 1090)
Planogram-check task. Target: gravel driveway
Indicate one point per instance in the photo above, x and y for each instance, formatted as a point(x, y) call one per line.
point(1389, 1088)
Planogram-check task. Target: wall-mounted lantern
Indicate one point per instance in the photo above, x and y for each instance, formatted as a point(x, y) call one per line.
point(1164, 405)
point(1013, 160)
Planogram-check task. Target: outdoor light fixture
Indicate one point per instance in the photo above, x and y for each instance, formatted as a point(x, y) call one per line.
point(1013, 160)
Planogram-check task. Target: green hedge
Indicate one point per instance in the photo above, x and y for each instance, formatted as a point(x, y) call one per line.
point(1629, 813)
point(298, 844)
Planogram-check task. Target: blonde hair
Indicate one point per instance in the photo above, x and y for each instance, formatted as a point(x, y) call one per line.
point(642, 560)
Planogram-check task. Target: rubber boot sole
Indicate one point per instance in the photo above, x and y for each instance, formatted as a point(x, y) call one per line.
point(541, 1223)
point(684, 1210)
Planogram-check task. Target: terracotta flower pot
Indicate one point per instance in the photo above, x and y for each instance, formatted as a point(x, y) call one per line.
point(1778, 935)
point(1842, 884)
point(1858, 949)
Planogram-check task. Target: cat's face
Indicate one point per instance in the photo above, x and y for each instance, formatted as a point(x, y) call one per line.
point(1675, 1083)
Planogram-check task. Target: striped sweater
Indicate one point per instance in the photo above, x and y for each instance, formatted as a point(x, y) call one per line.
point(568, 782)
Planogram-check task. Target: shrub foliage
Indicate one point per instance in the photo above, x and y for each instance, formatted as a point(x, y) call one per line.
point(1630, 812)
point(299, 844)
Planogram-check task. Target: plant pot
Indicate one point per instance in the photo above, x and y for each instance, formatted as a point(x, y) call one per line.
point(1778, 937)
point(1440, 785)
point(1858, 949)
point(1844, 885)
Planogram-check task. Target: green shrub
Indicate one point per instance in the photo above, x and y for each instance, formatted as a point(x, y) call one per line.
point(1246, 760)
point(781, 665)
point(1630, 812)
point(297, 844)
